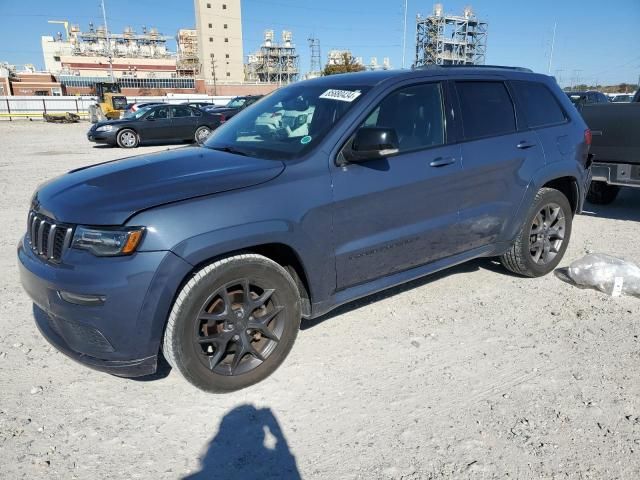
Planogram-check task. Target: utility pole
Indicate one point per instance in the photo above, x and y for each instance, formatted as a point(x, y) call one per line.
point(404, 35)
point(213, 71)
point(553, 42)
point(106, 29)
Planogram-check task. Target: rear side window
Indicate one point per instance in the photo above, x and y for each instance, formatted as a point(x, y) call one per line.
point(487, 109)
point(180, 111)
point(540, 106)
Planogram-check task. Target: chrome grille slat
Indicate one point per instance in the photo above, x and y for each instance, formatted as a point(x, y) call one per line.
point(41, 228)
point(67, 238)
point(51, 240)
point(47, 238)
point(34, 231)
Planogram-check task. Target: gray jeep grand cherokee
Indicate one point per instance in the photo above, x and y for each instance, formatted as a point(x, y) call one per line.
point(322, 192)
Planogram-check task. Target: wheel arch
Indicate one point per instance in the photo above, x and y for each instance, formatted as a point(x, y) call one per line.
point(282, 254)
point(568, 186)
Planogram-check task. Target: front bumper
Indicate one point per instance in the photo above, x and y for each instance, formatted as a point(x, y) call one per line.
point(102, 137)
point(121, 336)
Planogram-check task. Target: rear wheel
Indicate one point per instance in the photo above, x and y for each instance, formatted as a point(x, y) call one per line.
point(601, 193)
point(202, 133)
point(543, 239)
point(233, 323)
point(127, 138)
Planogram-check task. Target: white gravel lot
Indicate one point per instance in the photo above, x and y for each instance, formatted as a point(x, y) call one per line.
point(471, 373)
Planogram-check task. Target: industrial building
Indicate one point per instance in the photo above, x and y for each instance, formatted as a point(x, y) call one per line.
point(138, 61)
point(219, 30)
point(443, 39)
point(188, 62)
point(337, 57)
point(275, 62)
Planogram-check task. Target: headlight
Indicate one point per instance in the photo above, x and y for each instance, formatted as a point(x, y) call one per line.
point(106, 242)
point(104, 128)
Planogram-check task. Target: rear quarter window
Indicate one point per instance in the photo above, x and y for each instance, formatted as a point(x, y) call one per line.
point(487, 109)
point(540, 106)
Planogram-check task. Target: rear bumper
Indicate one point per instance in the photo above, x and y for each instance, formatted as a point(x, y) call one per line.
point(622, 174)
point(121, 335)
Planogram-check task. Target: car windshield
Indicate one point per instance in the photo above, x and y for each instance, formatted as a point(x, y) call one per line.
point(138, 113)
point(576, 97)
point(287, 123)
point(236, 103)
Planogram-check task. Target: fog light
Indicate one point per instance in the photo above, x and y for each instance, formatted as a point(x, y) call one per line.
point(81, 299)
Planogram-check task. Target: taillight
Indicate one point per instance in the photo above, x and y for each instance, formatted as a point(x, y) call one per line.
point(587, 136)
point(222, 118)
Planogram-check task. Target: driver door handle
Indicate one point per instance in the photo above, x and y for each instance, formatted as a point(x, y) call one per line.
point(442, 161)
point(523, 144)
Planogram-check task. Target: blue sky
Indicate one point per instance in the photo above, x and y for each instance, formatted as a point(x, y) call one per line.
point(595, 40)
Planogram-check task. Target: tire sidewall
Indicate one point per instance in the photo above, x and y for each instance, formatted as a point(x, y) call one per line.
point(195, 135)
point(551, 196)
point(120, 144)
point(186, 351)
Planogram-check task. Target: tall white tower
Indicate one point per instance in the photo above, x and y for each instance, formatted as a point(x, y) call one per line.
point(219, 27)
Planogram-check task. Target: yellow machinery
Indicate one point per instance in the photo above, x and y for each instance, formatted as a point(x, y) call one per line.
point(110, 103)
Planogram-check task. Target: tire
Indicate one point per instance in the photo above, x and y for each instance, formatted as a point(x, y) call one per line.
point(601, 193)
point(244, 338)
point(201, 134)
point(543, 238)
point(127, 138)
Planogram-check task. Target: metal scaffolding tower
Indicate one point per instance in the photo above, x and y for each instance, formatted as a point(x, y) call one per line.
point(443, 39)
point(316, 57)
point(274, 62)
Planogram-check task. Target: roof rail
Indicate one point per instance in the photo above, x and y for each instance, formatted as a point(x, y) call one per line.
point(462, 65)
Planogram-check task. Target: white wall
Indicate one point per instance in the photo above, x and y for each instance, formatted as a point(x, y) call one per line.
point(32, 107)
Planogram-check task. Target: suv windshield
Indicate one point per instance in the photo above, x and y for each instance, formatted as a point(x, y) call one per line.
point(287, 123)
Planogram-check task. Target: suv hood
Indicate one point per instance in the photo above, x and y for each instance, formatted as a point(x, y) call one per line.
point(109, 193)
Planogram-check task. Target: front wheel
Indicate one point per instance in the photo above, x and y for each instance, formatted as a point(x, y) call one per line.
point(543, 239)
point(233, 323)
point(202, 133)
point(127, 138)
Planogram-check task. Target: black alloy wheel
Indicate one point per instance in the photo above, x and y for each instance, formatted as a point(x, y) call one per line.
point(238, 327)
point(233, 323)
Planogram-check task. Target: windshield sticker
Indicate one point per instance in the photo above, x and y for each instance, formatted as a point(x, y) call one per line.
point(341, 95)
point(306, 139)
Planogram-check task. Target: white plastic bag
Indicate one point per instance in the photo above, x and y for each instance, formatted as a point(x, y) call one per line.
point(608, 274)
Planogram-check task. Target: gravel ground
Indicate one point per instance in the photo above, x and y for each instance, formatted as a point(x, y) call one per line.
point(471, 373)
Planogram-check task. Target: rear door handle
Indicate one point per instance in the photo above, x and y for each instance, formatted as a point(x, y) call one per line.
point(442, 161)
point(524, 145)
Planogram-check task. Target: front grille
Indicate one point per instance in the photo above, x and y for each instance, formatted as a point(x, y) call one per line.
point(47, 238)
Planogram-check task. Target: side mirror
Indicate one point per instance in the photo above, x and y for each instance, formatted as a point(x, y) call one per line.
point(372, 143)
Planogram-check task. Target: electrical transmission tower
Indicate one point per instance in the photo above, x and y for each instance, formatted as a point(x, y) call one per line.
point(316, 61)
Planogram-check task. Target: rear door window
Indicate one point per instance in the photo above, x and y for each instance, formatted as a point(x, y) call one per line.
point(487, 109)
point(540, 105)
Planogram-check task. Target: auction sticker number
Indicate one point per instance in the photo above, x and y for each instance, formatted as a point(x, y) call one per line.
point(341, 95)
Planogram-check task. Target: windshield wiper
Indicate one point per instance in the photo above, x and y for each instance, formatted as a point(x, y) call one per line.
point(232, 150)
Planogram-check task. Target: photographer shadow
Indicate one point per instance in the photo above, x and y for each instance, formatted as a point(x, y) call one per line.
point(249, 445)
